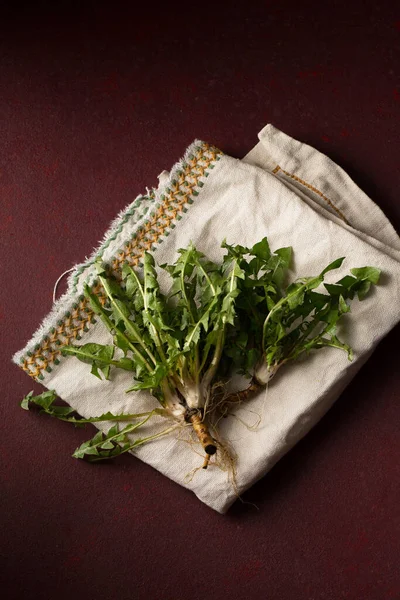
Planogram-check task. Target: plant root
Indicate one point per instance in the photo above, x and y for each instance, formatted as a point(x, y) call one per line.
point(202, 432)
point(235, 398)
point(206, 461)
point(227, 460)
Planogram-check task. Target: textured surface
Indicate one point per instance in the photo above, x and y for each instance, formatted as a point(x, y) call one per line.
point(94, 103)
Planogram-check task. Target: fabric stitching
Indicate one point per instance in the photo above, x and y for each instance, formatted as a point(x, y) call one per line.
point(173, 202)
point(313, 189)
point(105, 245)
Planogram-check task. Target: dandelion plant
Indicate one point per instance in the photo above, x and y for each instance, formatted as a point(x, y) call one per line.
point(238, 315)
point(278, 323)
point(172, 343)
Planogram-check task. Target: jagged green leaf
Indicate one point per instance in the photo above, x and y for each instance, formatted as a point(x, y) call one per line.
point(371, 274)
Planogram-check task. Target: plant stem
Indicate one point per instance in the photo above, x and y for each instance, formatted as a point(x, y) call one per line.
point(122, 417)
point(111, 327)
point(129, 325)
point(139, 442)
point(183, 288)
point(201, 267)
point(212, 369)
point(282, 301)
point(138, 283)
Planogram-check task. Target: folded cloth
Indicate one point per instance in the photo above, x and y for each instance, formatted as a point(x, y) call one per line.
point(282, 189)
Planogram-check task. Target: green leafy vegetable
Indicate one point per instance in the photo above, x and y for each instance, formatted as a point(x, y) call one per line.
point(290, 321)
point(172, 343)
point(240, 315)
point(46, 403)
point(115, 442)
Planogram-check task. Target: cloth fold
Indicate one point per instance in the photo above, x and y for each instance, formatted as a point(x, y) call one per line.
point(282, 189)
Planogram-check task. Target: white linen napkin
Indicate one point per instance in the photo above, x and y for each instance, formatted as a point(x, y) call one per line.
point(282, 189)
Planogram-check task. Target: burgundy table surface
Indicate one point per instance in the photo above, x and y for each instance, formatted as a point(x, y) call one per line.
point(94, 103)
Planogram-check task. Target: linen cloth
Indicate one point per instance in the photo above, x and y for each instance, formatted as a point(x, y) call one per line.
point(282, 189)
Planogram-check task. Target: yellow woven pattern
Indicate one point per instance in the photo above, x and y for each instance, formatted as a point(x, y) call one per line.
point(77, 321)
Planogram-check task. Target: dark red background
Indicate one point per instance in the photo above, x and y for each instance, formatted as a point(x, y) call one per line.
point(95, 101)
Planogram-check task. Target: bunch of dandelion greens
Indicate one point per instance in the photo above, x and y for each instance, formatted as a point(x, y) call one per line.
point(237, 316)
point(277, 324)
